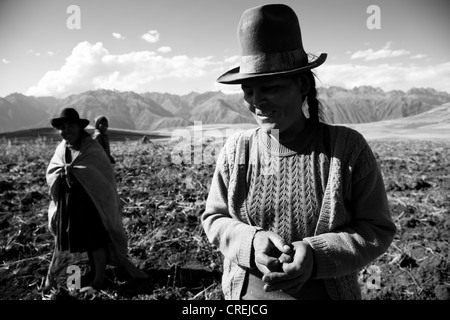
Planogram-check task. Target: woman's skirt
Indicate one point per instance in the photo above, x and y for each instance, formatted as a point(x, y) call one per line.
point(254, 289)
point(80, 228)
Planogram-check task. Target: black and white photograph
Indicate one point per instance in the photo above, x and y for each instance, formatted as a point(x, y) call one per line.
point(196, 150)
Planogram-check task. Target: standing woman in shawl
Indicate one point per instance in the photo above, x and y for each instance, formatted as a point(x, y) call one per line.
point(101, 126)
point(84, 212)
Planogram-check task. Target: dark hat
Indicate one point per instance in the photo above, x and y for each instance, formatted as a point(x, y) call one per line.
point(271, 45)
point(69, 115)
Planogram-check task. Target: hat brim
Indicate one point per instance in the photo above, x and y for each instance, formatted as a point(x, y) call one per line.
point(57, 122)
point(235, 77)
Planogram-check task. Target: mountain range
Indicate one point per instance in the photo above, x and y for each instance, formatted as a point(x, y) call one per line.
point(154, 111)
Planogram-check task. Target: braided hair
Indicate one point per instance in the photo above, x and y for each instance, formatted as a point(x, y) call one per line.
point(315, 107)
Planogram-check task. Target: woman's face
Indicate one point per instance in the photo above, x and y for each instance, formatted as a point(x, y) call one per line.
point(276, 104)
point(71, 132)
point(103, 125)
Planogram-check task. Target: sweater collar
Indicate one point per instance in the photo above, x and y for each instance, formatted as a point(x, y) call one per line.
point(304, 139)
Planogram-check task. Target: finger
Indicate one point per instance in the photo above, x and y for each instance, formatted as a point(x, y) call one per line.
point(285, 286)
point(275, 277)
point(301, 263)
point(279, 243)
point(295, 267)
point(263, 269)
point(286, 258)
point(271, 263)
point(292, 285)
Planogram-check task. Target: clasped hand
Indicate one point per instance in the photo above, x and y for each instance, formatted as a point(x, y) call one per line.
point(67, 177)
point(284, 267)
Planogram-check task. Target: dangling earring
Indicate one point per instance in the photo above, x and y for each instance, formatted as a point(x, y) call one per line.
point(305, 108)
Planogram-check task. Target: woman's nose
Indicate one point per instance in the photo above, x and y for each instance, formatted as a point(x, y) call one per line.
point(258, 99)
point(63, 129)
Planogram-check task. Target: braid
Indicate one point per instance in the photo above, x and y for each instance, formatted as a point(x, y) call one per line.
point(315, 107)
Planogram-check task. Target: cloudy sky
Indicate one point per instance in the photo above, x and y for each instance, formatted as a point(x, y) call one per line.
point(50, 47)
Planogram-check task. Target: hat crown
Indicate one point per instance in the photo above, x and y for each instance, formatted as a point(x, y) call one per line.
point(70, 114)
point(271, 45)
point(269, 28)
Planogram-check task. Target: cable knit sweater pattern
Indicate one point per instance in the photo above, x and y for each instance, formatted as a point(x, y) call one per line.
point(330, 193)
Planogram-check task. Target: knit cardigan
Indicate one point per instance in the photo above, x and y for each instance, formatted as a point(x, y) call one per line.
point(353, 227)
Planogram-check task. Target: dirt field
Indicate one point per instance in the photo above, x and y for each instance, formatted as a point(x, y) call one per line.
point(162, 201)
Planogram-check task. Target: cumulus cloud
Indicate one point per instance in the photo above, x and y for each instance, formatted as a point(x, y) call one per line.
point(228, 64)
point(151, 36)
point(227, 89)
point(118, 36)
point(165, 49)
point(386, 76)
point(92, 66)
point(418, 56)
point(5, 61)
point(36, 53)
point(39, 54)
point(233, 60)
point(385, 52)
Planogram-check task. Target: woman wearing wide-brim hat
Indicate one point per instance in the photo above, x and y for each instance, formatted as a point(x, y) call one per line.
point(84, 213)
point(296, 206)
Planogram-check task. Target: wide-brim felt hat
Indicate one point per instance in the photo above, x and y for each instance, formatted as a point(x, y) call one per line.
point(271, 45)
point(69, 115)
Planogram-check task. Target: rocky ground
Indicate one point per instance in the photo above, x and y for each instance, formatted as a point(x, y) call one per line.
point(162, 202)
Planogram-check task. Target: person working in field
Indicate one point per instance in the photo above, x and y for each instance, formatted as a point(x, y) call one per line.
point(296, 206)
point(84, 212)
point(100, 135)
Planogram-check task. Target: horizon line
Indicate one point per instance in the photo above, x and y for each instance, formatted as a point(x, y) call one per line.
point(227, 92)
